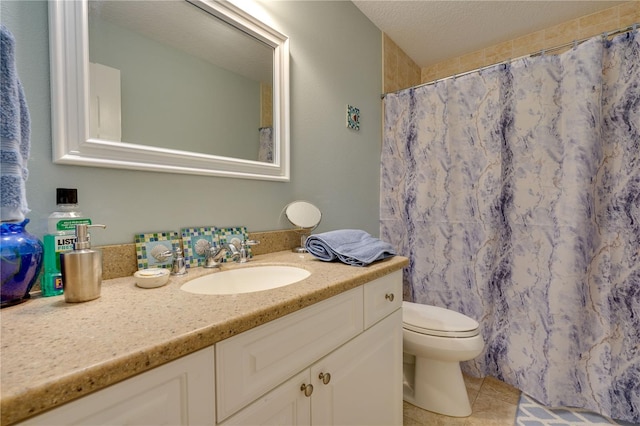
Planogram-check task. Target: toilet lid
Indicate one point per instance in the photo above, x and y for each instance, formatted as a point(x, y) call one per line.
point(436, 321)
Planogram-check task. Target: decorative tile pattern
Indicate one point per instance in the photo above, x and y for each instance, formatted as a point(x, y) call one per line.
point(353, 117)
point(196, 241)
point(234, 236)
point(149, 249)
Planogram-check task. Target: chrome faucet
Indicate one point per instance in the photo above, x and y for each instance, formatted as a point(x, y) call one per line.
point(214, 255)
point(244, 251)
point(179, 265)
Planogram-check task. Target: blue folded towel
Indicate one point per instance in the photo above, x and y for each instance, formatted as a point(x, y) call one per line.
point(350, 246)
point(14, 134)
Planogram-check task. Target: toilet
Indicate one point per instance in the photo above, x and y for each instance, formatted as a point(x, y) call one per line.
point(435, 340)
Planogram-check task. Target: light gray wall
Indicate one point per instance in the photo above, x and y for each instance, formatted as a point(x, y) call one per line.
point(336, 59)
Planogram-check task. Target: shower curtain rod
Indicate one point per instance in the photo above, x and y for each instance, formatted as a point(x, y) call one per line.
point(541, 52)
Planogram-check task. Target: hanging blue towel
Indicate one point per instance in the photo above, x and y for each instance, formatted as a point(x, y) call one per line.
point(350, 246)
point(14, 134)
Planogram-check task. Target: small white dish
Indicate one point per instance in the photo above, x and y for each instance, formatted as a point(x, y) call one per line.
point(151, 278)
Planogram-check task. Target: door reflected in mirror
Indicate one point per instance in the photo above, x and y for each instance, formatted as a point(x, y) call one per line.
point(168, 74)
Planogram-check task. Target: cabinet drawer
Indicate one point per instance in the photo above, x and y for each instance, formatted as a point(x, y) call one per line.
point(250, 364)
point(382, 297)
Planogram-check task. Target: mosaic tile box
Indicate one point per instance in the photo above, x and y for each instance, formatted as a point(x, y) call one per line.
point(152, 248)
point(234, 236)
point(196, 242)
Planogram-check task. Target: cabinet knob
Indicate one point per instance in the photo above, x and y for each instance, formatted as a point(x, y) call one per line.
point(307, 389)
point(325, 377)
point(389, 297)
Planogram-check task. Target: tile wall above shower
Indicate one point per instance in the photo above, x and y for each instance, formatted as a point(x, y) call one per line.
point(400, 70)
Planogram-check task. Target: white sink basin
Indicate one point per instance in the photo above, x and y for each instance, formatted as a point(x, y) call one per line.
point(246, 280)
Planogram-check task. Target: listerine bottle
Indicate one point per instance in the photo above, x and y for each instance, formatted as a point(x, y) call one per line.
point(60, 238)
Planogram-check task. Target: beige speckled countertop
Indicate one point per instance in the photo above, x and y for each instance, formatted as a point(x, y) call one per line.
point(53, 352)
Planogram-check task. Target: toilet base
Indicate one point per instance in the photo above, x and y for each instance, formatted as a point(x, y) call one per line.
point(437, 386)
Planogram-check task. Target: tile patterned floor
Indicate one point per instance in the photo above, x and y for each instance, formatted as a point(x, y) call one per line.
point(493, 403)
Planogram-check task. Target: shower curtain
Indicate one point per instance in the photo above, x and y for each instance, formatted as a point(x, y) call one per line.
point(515, 193)
point(265, 148)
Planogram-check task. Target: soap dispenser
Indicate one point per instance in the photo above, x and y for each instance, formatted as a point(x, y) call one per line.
point(81, 268)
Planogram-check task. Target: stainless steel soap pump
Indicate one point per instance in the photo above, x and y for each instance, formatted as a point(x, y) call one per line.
point(81, 268)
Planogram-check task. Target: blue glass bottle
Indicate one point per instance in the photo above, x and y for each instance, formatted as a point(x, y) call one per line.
point(21, 255)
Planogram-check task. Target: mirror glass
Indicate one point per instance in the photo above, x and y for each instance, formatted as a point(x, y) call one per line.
point(303, 214)
point(196, 86)
point(306, 217)
point(158, 68)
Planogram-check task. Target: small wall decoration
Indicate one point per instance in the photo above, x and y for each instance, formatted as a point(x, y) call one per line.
point(353, 117)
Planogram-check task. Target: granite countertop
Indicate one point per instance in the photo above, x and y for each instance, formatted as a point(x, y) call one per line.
point(53, 352)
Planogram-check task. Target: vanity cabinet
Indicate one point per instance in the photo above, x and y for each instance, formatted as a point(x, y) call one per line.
point(359, 382)
point(338, 362)
point(180, 392)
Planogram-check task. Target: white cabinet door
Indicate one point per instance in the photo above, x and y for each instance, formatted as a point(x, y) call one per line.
point(285, 405)
point(365, 384)
point(252, 363)
point(178, 393)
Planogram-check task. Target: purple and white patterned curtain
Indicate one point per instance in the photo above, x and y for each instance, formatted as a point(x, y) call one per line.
point(515, 193)
point(265, 149)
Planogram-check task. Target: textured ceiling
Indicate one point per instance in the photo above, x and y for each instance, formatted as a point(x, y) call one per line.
point(433, 31)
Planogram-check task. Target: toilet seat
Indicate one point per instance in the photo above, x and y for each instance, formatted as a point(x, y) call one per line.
point(436, 321)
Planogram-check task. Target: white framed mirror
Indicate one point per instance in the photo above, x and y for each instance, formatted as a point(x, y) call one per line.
point(83, 120)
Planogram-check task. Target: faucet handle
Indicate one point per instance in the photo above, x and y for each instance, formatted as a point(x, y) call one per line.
point(244, 251)
point(210, 260)
point(179, 266)
point(250, 243)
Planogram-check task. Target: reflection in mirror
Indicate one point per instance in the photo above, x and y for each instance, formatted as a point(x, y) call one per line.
point(133, 87)
point(164, 73)
point(306, 217)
